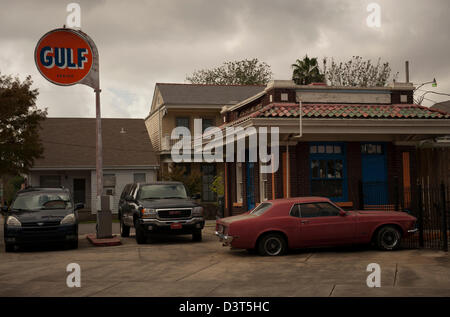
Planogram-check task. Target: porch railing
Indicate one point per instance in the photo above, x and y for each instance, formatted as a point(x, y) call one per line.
point(429, 204)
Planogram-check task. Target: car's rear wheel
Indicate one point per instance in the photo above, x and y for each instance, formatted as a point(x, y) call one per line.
point(272, 244)
point(10, 247)
point(124, 229)
point(388, 238)
point(197, 236)
point(141, 238)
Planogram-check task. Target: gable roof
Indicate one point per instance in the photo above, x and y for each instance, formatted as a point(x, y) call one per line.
point(70, 143)
point(199, 94)
point(443, 106)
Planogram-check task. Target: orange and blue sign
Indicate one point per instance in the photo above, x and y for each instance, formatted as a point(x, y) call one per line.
point(64, 56)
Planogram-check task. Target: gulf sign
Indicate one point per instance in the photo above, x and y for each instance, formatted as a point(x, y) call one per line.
point(63, 56)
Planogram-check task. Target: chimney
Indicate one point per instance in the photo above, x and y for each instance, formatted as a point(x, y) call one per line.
point(407, 71)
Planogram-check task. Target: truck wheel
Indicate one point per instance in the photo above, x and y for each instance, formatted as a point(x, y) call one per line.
point(140, 234)
point(197, 236)
point(388, 238)
point(10, 247)
point(272, 244)
point(124, 229)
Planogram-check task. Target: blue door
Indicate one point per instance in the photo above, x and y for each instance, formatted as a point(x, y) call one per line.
point(250, 167)
point(374, 174)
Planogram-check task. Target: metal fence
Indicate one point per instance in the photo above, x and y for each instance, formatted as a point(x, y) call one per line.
point(429, 204)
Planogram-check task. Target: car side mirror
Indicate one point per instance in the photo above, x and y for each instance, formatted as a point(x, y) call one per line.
point(342, 213)
point(79, 206)
point(195, 196)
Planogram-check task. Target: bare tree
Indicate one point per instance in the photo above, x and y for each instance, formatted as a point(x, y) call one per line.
point(357, 72)
point(244, 72)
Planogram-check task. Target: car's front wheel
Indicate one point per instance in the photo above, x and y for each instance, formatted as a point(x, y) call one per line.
point(124, 229)
point(10, 247)
point(272, 244)
point(73, 245)
point(388, 238)
point(141, 238)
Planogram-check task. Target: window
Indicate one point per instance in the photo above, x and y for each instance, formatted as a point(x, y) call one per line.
point(50, 181)
point(262, 208)
point(239, 184)
point(328, 149)
point(206, 123)
point(311, 210)
point(125, 191)
point(208, 174)
point(109, 184)
point(284, 97)
point(162, 191)
point(327, 170)
point(42, 200)
point(371, 149)
point(182, 122)
point(295, 211)
point(186, 167)
point(139, 177)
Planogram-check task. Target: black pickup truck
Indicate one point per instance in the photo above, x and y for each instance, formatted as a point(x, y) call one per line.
point(159, 208)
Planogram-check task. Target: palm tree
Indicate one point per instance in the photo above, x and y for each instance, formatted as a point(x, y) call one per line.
point(306, 71)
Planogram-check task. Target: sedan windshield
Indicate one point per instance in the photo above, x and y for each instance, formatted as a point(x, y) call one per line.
point(262, 208)
point(40, 200)
point(162, 191)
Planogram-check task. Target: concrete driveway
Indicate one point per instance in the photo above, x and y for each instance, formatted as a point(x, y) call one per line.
point(179, 267)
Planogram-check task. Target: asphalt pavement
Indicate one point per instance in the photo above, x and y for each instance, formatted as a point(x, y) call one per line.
point(177, 266)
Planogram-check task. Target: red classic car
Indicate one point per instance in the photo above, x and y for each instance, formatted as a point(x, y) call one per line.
point(277, 225)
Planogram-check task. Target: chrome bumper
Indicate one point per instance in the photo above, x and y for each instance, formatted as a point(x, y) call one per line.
point(413, 230)
point(157, 222)
point(224, 238)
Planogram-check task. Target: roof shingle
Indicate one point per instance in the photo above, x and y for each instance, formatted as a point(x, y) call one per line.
point(197, 94)
point(350, 111)
point(70, 142)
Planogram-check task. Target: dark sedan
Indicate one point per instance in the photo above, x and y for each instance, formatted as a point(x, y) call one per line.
point(41, 216)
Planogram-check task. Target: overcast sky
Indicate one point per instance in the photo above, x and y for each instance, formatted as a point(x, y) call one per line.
point(144, 42)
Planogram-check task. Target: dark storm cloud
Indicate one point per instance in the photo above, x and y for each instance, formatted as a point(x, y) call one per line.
point(144, 42)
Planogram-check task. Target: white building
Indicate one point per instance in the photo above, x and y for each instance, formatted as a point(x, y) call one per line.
point(69, 157)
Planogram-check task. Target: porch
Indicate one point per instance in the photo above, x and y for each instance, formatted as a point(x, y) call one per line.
point(355, 175)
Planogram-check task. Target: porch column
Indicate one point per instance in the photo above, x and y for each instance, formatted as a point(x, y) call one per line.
point(287, 173)
point(273, 178)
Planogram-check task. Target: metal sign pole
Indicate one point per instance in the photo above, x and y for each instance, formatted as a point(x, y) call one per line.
point(104, 216)
point(99, 145)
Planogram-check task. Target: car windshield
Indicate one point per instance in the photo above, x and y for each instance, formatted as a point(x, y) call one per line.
point(42, 200)
point(162, 191)
point(262, 208)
